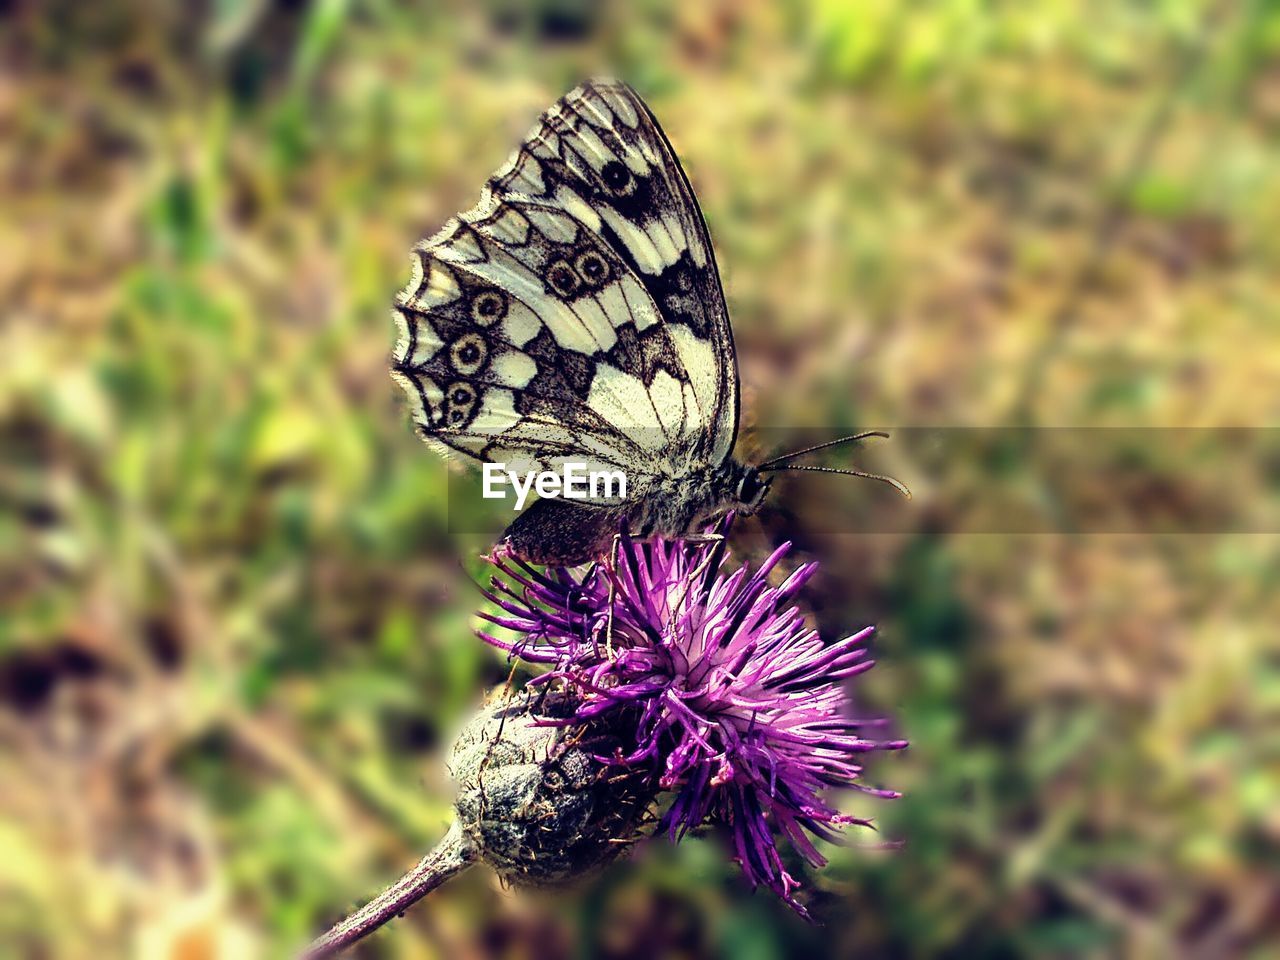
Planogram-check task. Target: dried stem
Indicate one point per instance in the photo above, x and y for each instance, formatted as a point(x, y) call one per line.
point(451, 856)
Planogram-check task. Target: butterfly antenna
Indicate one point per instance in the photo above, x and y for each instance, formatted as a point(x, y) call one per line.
point(770, 464)
point(896, 484)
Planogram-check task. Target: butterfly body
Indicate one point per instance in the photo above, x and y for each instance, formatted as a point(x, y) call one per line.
point(676, 504)
point(563, 533)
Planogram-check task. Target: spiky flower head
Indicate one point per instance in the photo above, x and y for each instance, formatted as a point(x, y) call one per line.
point(731, 701)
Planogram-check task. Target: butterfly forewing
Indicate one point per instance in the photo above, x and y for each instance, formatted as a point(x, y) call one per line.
point(575, 313)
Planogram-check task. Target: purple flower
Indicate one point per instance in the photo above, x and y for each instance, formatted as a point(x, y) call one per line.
point(737, 705)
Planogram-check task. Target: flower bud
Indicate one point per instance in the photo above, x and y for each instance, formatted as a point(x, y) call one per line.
point(533, 799)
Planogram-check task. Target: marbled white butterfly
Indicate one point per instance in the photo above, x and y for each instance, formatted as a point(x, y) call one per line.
point(575, 314)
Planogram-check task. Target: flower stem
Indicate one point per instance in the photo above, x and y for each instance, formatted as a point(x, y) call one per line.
point(451, 856)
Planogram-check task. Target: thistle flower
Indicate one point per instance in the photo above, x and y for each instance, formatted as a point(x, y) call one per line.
point(664, 674)
point(731, 701)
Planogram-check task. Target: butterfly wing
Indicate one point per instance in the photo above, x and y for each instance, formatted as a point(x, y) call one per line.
point(575, 313)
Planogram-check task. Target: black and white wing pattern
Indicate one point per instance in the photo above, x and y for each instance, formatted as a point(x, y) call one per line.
point(575, 313)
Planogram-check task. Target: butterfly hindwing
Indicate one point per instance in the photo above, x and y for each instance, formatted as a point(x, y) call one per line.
point(575, 313)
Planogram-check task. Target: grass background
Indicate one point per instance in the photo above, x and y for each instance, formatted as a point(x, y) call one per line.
point(233, 634)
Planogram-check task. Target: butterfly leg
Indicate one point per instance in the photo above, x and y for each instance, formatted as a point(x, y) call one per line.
point(702, 538)
point(611, 566)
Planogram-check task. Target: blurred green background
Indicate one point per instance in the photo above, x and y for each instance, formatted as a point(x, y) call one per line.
point(234, 635)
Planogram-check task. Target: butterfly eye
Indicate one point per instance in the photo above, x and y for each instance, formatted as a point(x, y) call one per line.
point(488, 306)
point(468, 353)
point(750, 489)
point(617, 178)
point(562, 279)
point(592, 267)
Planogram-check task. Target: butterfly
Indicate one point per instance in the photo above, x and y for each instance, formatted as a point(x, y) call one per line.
point(575, 314)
